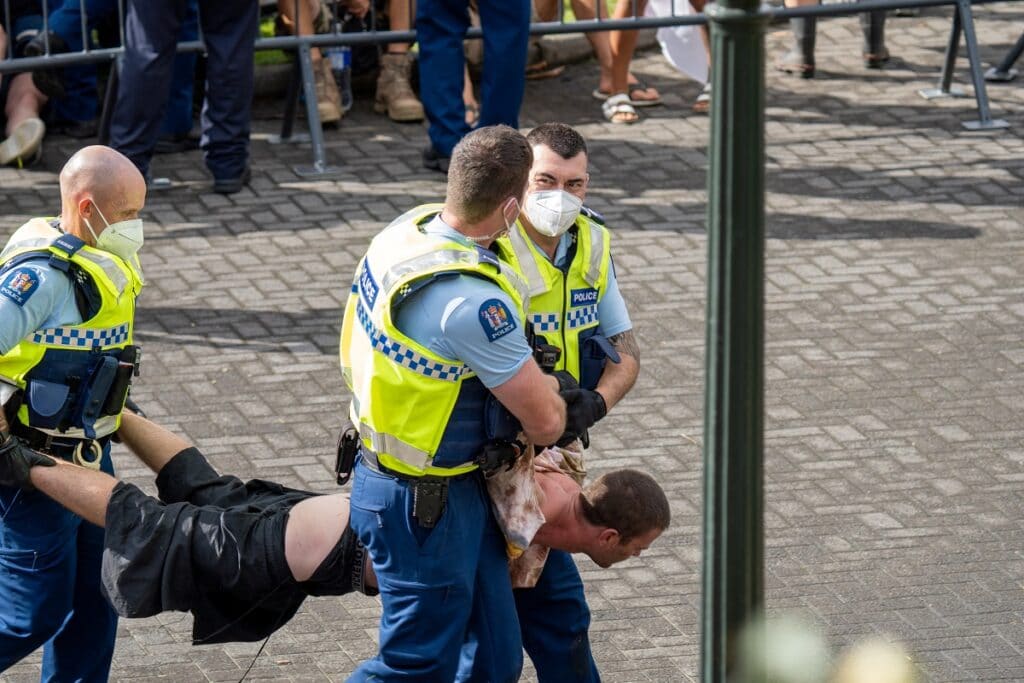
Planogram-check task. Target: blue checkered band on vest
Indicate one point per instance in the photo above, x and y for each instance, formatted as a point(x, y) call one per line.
point(81, 338)
point(405, 356)
point(544, 322)
point(584, 315)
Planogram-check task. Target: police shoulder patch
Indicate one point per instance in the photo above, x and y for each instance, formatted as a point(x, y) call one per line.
point(19, 284)
point(496, 319)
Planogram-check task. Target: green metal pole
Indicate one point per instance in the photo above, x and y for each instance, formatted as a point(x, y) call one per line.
point(733, 578)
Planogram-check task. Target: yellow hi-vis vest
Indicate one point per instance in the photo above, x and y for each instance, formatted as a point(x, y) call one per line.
point(563, 306)
point(117, 283)
point(403, 394)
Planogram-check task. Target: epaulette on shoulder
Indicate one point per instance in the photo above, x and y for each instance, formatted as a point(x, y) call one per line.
point(592, 215)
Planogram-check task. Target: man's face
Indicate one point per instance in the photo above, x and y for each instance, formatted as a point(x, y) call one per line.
point(551, 172)
point(611, 551)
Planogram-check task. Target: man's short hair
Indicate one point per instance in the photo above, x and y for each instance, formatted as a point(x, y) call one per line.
point(560, 138)
point(487, 167)
point(629, 501)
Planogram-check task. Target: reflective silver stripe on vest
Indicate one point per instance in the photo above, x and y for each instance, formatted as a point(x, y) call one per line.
point(113, 272)
point(33, 243)
point(534, 280)
point(395, 447)
point(425, 262)
point(596, 255)
point(449, 257)
point(405, 356)
point(82, 338)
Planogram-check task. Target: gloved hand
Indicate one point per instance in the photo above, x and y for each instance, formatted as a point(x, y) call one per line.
point(16, 460)
point(565, 380)
point(583, 408)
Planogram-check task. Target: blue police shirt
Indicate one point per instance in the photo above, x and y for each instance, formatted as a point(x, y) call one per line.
point(611, 309)
point(466, 318)
point(34, 296)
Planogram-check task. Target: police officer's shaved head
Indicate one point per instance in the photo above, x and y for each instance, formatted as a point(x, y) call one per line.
point(98, 177)
point(487, 167)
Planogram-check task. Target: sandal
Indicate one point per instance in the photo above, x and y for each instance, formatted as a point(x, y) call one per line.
point(618, 109)
point(703, 102)
point(540, 70)
point(637, 86)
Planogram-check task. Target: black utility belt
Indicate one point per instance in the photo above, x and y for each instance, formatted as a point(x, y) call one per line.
point(370, 458)
point(84, 452)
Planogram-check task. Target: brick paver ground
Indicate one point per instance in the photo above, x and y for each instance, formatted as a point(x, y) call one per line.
point(895, 371)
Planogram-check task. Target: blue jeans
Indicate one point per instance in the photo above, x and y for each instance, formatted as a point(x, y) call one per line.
point(555, 619)
point(440, 28)
point(50, 588)
point(443, 589)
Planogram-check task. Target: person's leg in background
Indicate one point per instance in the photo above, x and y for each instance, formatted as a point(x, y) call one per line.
point(230, 28)
point(151, 32)
point(440, 28)
point(555, 621)
point(876, 54)
point(24, 128)
point(623, 44)
point(178, 121)
point(84, 647)
point(306, 23)
point(74, 106)
point(506, 28)
point(394, 89)
point(800, 58)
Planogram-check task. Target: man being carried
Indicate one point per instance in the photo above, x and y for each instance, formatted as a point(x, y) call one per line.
point(243, 556)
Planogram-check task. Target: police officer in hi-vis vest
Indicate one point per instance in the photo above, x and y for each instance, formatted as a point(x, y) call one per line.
point(442, 378)
point(67, 304)
point(563, 251)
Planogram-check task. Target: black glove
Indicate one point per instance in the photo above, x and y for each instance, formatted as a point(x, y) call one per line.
point(16, 460)
point(565, 381)
point(583, 408)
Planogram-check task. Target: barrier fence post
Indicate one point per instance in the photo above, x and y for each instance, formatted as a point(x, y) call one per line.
point(733, 574)
point(963, 24)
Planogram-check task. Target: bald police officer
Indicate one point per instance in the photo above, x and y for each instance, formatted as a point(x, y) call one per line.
point(67, 301)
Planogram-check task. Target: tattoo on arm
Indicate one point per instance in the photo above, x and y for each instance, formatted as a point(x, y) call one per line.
point(626, 343)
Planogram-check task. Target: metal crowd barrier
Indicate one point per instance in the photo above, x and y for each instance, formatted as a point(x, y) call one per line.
point(963, 26)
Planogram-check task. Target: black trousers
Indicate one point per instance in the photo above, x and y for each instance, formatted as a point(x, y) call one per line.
point(151, 29)
point(213, 545)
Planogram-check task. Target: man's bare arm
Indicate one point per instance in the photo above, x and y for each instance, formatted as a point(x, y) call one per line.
point(154, 445)
point(618, 378)
point(82, 491)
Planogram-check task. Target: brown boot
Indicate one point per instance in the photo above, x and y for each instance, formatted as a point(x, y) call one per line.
point(394, 93)
point(328, 99)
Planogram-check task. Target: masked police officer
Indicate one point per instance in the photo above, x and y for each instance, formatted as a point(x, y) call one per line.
point(433, 349)
point(67, 302)
point(563, 251)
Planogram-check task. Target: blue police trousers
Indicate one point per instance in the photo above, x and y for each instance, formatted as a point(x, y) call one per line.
point(555, 620)
point(440, 28)
point(441, 588)
point(50, 588)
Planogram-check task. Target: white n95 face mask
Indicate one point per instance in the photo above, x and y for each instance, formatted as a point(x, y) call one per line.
point(123, 238)
point(552, 212)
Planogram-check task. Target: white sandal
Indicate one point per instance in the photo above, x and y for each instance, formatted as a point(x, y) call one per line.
point(618, 105)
